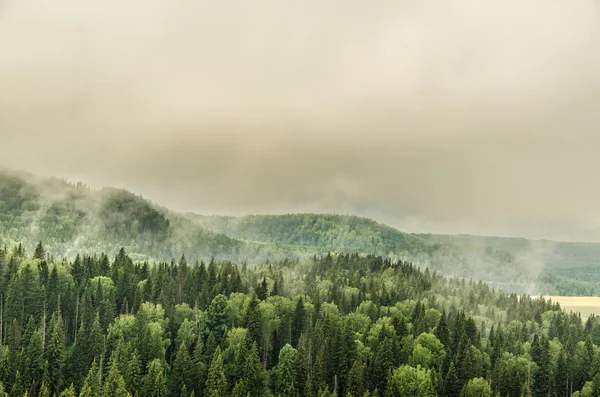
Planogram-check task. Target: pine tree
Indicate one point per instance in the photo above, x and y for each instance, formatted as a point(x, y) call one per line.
point(18, 388)
point(288, 361)
point(39, 252)
point(355, 382)
point(133, 372)
point(542, 381)
point(240, 389)
point(115, 383)
point(253, 321)
point(182, 368)
point(44, 390)
point(252, 372)
point(561, 376)
point(78, 272)
point(154, 383)
point(298, 322)
point(216, 384)
point(55, 354)
point(69, 392)
point(443, 334)
point(262, 290)
point(92, 387)
point(35, 360)
point(452, 385)
point(200, 369)
point(184, 392)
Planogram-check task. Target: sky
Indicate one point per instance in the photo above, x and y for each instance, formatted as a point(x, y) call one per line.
point(462, 116)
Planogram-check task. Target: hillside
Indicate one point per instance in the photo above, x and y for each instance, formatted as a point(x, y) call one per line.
point(69, 218)
point(72, 218)
point(513, 264)
point(563, 268)
point(338, 232)
point(347, 234)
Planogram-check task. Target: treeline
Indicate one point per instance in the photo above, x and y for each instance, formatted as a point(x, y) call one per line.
point(337, 325)
point(73, 219)
point(343, 234)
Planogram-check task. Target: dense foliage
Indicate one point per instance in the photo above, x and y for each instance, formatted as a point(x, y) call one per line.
point(74, 219)
point(512, 264)
point(344, 325)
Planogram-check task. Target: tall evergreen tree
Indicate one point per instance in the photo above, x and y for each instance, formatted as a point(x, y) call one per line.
point(55, 354)
point(216, 384)
point(298, 321)
point(182, 368)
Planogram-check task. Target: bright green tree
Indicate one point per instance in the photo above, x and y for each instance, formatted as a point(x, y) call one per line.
point(216, 384)
point(476, 387)
point(410, 381)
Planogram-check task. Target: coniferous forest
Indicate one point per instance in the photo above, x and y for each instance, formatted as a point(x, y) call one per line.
point(334, 325)
point(74, 219)
point(299, 199)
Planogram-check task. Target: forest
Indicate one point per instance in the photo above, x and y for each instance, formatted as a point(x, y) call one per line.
point(74, 219)
point(331, 325)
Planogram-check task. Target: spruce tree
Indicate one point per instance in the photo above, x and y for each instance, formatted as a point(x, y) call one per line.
point(252, 373)
point(55, 354)
point(155, 383)
point(69, 392)
point(114, 386)
point(92, 386)
point(298, 322)
point(452, 384)
point(182, 368)
point(216, 384)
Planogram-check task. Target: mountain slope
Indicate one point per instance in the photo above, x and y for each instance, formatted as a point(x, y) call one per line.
point(343, 234)
point(72, 218)
point(513, 264)
point(69, 218)
point(563, 268)
point(346, 233)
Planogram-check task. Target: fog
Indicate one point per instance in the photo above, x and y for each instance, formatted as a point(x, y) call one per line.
point(444, 117)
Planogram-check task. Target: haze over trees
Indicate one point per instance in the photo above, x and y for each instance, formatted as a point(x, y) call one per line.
point(208, 254)
point(72, 219)
point(289, 305)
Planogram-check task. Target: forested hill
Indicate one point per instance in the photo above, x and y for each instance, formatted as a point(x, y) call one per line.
point(343, 234)
point(74, 218)
point(337, 325)
point(563, 268)
point(513, 264)
point(334, 232)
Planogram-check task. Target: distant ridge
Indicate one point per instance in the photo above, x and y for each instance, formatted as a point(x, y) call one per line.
point(71, 217)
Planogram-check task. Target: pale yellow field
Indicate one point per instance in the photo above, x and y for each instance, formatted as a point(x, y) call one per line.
point(586, 305)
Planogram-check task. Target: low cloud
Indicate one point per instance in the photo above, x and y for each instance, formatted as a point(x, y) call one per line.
point(455, 117)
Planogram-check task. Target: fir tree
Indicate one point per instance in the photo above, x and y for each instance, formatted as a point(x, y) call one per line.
point(216, 384)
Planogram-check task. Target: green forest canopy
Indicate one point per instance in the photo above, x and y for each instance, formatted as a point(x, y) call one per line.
point(345, 325)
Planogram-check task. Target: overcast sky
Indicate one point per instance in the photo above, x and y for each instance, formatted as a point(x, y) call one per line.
point(461, 116)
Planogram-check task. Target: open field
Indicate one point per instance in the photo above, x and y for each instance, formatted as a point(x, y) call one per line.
point(586, 305)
